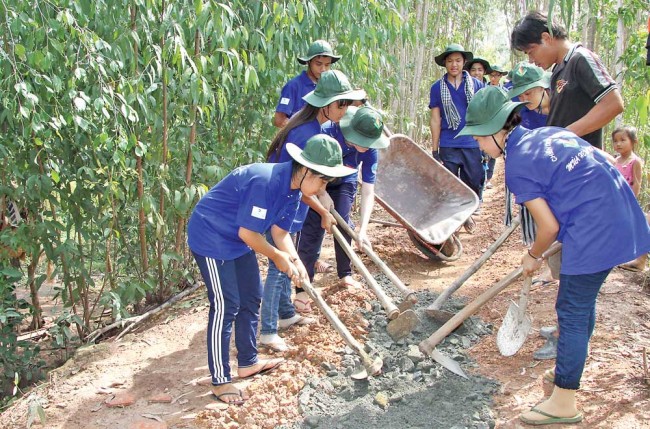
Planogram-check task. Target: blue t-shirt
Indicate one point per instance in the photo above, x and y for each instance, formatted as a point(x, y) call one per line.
point(532, 119)
point(353, 158)
point(299, 137)
point(459, 99)
point(601, 223)
point(291, 96)
point(254, 197)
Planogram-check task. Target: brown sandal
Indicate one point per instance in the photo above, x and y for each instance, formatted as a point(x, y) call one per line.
point(323, 267)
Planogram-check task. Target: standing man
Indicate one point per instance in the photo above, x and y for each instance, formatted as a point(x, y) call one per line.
point(319, 58)
point(584, 97)
point(448, 102)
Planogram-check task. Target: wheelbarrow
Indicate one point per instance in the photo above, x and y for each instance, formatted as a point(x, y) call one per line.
point(424, 197)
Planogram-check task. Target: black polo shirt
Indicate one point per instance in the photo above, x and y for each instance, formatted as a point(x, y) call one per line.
point(578, 83)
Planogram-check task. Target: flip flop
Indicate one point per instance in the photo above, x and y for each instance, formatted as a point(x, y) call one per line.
point(237, 393)
point(268, 366)
point(299, 320)
point(323, 267)
point(302, 306)
point(630, 267)
point(350, 284)
point(470, 225)
point(550, 419)
point(542, 282)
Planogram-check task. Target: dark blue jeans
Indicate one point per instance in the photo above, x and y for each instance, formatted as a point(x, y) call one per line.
point(576, 315)
point(311, 236)
point(465, 163)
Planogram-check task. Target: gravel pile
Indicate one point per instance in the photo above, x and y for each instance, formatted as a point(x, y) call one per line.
point(413, 390)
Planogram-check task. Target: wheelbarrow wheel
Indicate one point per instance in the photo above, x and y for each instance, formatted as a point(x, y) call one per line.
point(449, 250)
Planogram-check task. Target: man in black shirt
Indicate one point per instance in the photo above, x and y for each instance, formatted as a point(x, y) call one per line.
point(584, 97)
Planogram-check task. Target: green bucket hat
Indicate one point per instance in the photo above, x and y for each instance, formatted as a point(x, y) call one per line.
point(484, 62)
point(450, 49)
point(364, 127)
point(323, 154)
point(319, 47)
point(333, 85)
point(526, 76)
point(488, 112)
point(497, 69)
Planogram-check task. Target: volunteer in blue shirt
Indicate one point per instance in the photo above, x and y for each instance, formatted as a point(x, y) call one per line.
point(448, 100)
point(319, 59)
point(328, 102)
point(226, 230)
point(578, 198)
point(360, 135)
point(531, 84)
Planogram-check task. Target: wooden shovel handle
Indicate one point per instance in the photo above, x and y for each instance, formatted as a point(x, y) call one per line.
point(426, 346)
point(391, 309)
point(406, 292)
point(469, 272)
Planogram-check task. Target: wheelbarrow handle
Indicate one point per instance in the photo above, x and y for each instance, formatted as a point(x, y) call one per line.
point(391, 309)
point(336, 323)
point(469, 272)
point(427, 345)
point(406, 292)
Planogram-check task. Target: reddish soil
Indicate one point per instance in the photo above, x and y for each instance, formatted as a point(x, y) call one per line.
point(168, 355)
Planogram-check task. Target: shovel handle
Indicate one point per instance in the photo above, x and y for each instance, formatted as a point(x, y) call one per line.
point(469, 272)
point(523, 298)
point(406, 292)
point(336, 323)
point(391, 309)
point(426, 346)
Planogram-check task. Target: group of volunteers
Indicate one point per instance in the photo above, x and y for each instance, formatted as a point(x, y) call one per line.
point(547, 126)
point(281, 210)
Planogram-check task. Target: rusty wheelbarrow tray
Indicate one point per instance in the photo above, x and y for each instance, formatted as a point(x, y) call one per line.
point(425, 197)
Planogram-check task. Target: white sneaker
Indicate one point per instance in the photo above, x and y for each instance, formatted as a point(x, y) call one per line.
point(297, 319)
point(273, 342)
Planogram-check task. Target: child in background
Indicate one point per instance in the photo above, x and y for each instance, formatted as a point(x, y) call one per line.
point(628, 163)
point(624, 140)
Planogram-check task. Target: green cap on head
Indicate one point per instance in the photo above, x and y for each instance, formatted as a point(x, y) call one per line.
point(323, 154)
point(364, 127)
point(319, 47)
point(450, 49)
point(526, 76)
point(498, 69)
point(488, 112)
point(483, 62)
point(333, 85)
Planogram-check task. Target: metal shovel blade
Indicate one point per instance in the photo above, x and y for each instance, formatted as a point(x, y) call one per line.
point(402, 326)
point(448, 363)
point(439, 315)
point(514, 330)
point(361, 372)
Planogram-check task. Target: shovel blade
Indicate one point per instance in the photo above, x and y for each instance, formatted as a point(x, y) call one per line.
point(448, 363)
point(439, 315)
point(514, 331)
point(403, 325)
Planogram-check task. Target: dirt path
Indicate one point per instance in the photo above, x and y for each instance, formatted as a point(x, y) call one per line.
point(166, 361)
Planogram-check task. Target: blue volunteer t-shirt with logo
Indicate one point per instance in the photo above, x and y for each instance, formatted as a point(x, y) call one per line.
point(601, 223)
point(459, 99)
point(299, 137)
point(254, 197)
point(291, 95)
point(532, 119)
point(352, 158)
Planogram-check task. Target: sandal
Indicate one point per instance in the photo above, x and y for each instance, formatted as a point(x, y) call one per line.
point(302, 303)
point(348, 282)
point(237, 392)
point(267, 365)
point(469, 225)
point(273, 342)
point(323, 267)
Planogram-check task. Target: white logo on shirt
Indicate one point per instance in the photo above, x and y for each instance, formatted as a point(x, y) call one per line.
point(284, 100)
point(258, 212)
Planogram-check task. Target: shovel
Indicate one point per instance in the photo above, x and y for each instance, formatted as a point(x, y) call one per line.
point(370, 366)
point(434, 310)
point(409, 296)
point(516, 324)
point(401, 323)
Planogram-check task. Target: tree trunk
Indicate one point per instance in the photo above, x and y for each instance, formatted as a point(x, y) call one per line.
point(620, 47)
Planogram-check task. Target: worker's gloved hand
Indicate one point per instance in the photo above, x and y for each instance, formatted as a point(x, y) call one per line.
point(362, 239)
